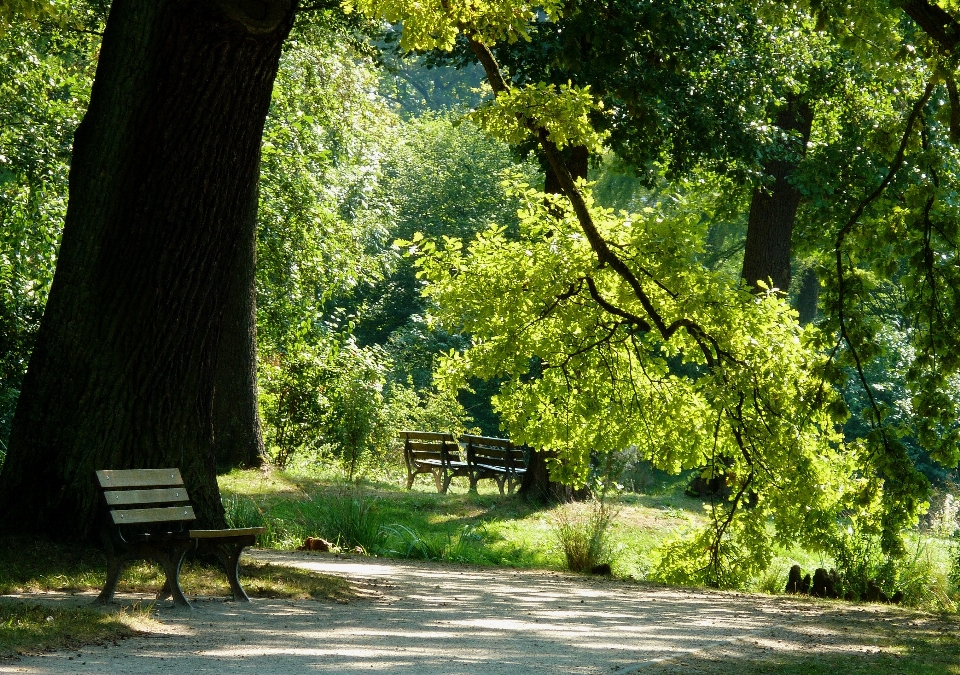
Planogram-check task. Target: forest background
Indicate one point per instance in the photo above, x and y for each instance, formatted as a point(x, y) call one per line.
point(366, 146)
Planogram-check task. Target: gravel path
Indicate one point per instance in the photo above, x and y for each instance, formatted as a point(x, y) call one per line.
point(434, 619)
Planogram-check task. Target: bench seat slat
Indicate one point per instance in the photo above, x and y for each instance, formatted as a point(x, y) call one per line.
point(159, 496)
point(125, 478)
point(483, 453)
point(157, 515)
point(227, 534)
point(490, 467)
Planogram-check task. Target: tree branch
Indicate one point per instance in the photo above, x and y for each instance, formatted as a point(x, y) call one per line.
point(851, 223)
point(935, 22)
point(605, 255)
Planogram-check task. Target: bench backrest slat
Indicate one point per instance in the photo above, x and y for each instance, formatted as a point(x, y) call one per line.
point(427, 436)
point(145, 496)
point(430, 446)
point(494, 452)
point(166, 514)
point(486, 441)
point(129, 478)
point(131, 497)
point(426, 454)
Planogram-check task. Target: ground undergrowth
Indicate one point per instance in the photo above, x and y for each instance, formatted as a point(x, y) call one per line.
point(379, 517)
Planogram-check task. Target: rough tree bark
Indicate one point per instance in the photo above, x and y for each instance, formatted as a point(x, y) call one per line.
point(237, 436)
point(773, 208)
point(164, 172)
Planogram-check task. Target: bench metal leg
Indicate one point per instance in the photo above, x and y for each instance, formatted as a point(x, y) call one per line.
point(229, 555)
point(114, 570)
point(171, 558)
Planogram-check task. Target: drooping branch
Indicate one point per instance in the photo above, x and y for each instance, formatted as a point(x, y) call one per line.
point(605, 255)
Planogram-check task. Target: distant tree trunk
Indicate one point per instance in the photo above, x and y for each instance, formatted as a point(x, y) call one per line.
point(237, 435)
point(768, 247)
point(163, 175)
point(808, 297)
point(773, 208)
point(577, 161)
point(536, 485)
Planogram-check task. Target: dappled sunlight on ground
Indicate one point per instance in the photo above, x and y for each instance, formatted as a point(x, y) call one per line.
point(422, 618)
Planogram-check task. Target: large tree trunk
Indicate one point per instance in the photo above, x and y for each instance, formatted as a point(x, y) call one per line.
point(237, 436)
point(773, 209)
point(163, 174)
point(536, 486)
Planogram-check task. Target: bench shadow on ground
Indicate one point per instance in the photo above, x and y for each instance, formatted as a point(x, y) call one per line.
point(444, 619)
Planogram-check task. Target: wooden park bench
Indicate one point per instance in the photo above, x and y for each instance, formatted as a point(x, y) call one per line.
point(475, 457)
point(495, 458)
point(433, 453)
point(145, 516)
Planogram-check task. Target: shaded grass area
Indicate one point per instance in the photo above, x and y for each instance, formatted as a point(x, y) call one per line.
point(28, 628)
point(33, 565)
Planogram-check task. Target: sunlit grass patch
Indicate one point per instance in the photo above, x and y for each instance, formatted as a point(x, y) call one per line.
point(267, 484)
point(259, 580)
point(28, 628)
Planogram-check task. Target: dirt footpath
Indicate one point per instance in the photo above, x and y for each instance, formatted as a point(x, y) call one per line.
point(434, 619)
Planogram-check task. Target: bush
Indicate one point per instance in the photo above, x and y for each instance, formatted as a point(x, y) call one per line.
point(323, 401)
point(859, 559)
point(292, 403)
point(942, 518)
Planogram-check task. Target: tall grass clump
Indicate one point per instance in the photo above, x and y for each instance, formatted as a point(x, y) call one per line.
point(243, 511)
point(583, 533)
point(466, 546)
point(348, 519)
